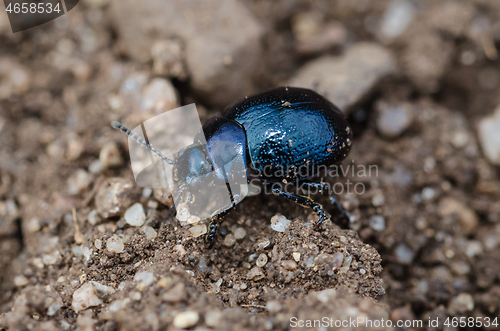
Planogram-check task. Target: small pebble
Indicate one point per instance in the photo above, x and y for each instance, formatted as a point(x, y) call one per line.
point(114, 196)
point(118, 305)
point(279, 223)
point(192, 219)
point(273, 306)
point(404, 254)
point(110, 156)
point(261, 260)
point(135, 215)
point(263, 244)
point(144, 279)
point(186, 319)
point(229, 240)
point(378, 200)
point(88, 295)
point(149, 232)
point(198, 230)
point(337, 260)
point(93, 217)
point(347, 261)
point(115, 244)
point(78, 182)
point(377, 223)
point(159, 95)
point(393, 120)
point(175, 294)
point(33, 225)
point(489, 137)
point(182, 214)
point(152, 204)
point(289, 265)
point(180, 250)
point(163, 282)
point(473, 248)
point(255, 274)
point(239, 233)
point(21, 281)
point(213, 318)
point(96, 167)
point(296, 256)
point(397, 17)
point(462, 303)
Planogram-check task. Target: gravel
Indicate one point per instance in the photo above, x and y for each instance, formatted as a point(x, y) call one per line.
point(393, 119)
point(135, 216)
point(219, 48)
point(279, 223)
point(89, 295)
point(356, 74)
point(186, 319)
point(489, 136)
point(115, 244)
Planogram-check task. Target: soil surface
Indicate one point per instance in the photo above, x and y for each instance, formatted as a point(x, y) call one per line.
point(418, 81)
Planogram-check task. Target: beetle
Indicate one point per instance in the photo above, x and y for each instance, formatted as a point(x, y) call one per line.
point(286, 135)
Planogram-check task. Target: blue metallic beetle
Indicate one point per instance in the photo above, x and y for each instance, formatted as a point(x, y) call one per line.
point(285, 135)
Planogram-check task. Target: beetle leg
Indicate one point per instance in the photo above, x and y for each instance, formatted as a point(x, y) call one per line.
point(325, 189)
point(214, 222)
point(305, 202)
point(216, 217)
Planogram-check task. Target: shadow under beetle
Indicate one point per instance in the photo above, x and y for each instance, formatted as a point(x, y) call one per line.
point(286, 135)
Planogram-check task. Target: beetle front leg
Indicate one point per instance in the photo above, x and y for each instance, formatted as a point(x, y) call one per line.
point(212, 232)
point(305, 202)
point(214, 222)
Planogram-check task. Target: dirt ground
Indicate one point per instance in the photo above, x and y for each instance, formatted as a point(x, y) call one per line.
point(423, 242)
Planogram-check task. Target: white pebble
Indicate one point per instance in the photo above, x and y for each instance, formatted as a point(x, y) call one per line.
point(20, 281)
point(78, 182)
point(149, 232)
point(261, 260)
point(397, 17)
point(377, 223)
point(186, 319)
point(279, 223)
point(229, 240)
point(86, 297)
point(489, 136)
point(145, 278)
point(296, 256)
point(378, 200)
point(118, 305)
point(98, 243)
point(192, 219)
point(135, 215)
point(240, 233)
point(198, 230)
point(93, 217)
point(404, 254)
point(110, 156)
point(33, 225)
point(115, 244)
point(182, 213)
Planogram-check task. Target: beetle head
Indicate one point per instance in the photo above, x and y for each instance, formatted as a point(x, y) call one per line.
point(193, 166)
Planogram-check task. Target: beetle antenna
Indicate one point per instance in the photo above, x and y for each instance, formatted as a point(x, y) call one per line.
point(123, 128)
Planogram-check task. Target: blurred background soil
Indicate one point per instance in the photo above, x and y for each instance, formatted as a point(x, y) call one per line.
point(82, 247)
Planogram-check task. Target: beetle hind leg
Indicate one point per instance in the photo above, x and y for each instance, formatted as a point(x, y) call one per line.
point(305, 202)
point(325, 189)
